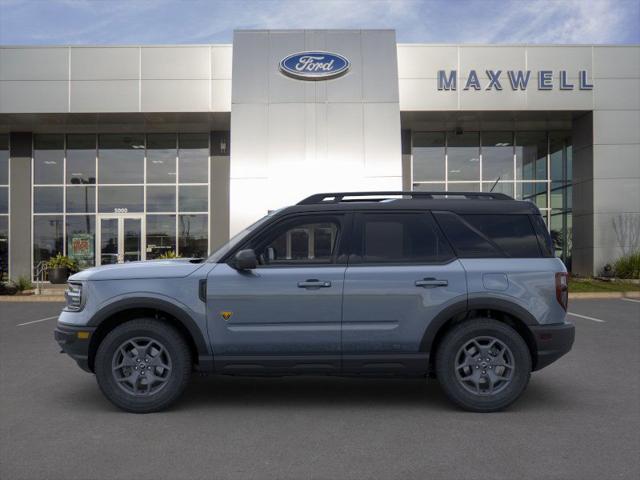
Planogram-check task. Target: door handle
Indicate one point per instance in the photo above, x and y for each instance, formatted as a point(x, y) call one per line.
point(431, 283)
point(313, 283)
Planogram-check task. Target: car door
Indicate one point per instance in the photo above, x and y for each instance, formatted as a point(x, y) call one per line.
point(401, 274)
point(285, 315)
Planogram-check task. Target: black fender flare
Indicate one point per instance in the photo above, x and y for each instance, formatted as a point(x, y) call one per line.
point(153, 303)
point(462, 307)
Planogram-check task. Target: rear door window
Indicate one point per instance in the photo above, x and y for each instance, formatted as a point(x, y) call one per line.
point(467, 240)
point(400, 238)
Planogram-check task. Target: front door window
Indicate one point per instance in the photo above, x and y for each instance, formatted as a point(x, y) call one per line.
point(120, 240)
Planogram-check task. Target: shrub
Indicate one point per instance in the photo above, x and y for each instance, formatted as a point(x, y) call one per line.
point(23, 283)
point(628, 266)
point(168, 255)
point(62, 261)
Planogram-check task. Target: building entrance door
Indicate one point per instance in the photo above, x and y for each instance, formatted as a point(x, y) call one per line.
point(121, 239)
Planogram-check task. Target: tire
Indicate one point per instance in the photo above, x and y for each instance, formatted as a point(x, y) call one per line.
point(469, 380)
point(152, 353)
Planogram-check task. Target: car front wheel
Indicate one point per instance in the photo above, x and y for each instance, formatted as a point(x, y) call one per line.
point(143, 365)
point(483, 365)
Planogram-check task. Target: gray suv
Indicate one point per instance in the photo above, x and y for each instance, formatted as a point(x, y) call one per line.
point(463, 287)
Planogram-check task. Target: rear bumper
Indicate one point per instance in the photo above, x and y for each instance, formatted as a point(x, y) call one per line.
point(552, 342)
point(74, 346)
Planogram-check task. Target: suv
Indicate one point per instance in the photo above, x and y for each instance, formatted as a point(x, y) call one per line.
point(463, 287)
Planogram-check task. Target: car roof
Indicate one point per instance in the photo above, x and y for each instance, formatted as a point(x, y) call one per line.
point(457, 202)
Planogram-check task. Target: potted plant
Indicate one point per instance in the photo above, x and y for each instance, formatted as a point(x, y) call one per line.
point(60, 267)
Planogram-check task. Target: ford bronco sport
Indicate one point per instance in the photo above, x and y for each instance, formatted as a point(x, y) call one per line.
point(463, 287)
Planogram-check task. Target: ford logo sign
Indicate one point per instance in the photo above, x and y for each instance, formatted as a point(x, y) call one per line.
point(314, 65)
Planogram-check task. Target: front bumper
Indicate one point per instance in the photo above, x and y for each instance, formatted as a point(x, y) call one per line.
point(75, 342)
point(552, 342)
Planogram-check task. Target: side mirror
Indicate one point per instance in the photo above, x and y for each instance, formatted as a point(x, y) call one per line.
point(245, 260)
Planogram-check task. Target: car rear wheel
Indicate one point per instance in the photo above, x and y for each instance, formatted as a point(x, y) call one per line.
point(143, 365)
point(483, 365)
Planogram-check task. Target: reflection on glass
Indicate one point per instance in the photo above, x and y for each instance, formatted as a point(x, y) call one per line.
point(463, 187)
point(48, 159)
point(463, 156)
point(559, 155)
point(161, 235)
point(108, 241)
point(4, 199)
point(532, 192)
point(428, 156)
point(81, 159)
point(81, 199)
point(120, 199)
point(531, 155)
point(500, 187)
point(47, 237)
point(161, 199)
point(161, 158)
point(497, 156)
point(81, 239)
point(47, 199)
point(429, 187)
point(4, 159)
point(193, 235)
point(121, 158)
point(193, 157)
point(132, 240)
point(4, 247)
point(193, 198)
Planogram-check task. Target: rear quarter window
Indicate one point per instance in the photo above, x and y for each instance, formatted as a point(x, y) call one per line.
point(513, 234)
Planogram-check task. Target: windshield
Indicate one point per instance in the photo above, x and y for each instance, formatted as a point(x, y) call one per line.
point(236, 239)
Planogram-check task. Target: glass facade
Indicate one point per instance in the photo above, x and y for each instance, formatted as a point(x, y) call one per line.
point(119, 197)
point(4, 206)
point(534, 166)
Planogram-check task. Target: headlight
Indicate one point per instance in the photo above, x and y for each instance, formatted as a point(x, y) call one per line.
point(73, 296)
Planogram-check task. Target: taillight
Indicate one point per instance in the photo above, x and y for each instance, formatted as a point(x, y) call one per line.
point(562, 289)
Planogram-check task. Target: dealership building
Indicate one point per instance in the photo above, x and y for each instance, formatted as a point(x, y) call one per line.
point(120, 153)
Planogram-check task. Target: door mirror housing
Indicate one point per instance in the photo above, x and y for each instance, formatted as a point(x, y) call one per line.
point(245, 260)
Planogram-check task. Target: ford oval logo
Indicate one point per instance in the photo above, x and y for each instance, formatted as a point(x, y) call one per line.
point(314, 65)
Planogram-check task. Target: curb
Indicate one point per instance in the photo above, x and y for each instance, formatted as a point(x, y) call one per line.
point(587, 295)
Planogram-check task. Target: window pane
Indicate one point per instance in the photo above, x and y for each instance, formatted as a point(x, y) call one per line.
point(4, 159)
point(402, 238)
point(194, 158)
point(4, 247)
point(81, 159)
point(467, 242)
point(47, 237)
point(47, 199)
point(558, 155)
point(428, 157)
point(81, 199)
point(532, 192)
point(48, 159)
point(299, 242)
point(463, 154)
point(514, 234)
point(161, 199)
point(194, 235)
point(429, 187)
point(81, 239)
point(463, 187)
point(112, 198)
point(500, 187)
point(497, 156)
point(194, 199)
point(121, 159)
point(558, 195)
point(531, 155)
point(4, 199)
point(161, 235)
point(556, 230)
point(161, 158)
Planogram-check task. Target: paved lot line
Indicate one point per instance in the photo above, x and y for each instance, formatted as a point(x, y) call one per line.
point(36, 321)
point(585, 317)
point(630, 300)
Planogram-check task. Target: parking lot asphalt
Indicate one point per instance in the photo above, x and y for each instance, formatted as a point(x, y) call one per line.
point(578, 419)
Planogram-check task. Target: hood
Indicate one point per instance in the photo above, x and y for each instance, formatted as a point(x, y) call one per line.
point(177, 268)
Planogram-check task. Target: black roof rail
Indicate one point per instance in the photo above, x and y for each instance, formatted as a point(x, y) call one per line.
point(337, 197)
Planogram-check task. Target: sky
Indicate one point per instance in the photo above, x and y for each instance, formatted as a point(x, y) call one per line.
point(121, 22)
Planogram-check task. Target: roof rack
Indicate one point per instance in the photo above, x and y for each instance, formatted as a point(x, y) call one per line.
point(338, 197)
